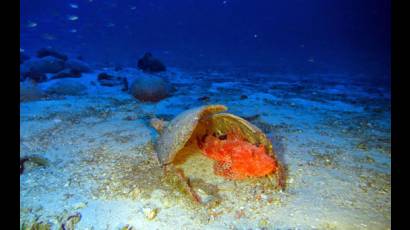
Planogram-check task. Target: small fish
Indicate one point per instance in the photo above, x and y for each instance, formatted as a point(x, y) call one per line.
point(255, 35)
point(74, 6)
point(73, 31)
point(48, 36)
point(110, 24)
point(133, 7)
point(31, 24)
point(311, 60)
point(224, 2)
point(21, 50)
point(72, 17)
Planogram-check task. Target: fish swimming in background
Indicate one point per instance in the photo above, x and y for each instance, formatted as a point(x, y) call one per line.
point(21, 50)
point(31, 24)
point(110, 24)
point(48, 36)
point(72, 17)
point(73, 31)
point(74, 6)
point(133, 7)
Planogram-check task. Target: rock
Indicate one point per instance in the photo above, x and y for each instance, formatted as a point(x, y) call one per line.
point(108, 80)
point(158, 124)
point(362, 146)
point(150, 88)
point(125, 87)
point(42, 65)
point(79, 205)
point(23, 57)
point(204, 98)
point(34, 76)
point(22, 161)
point(29, 91)
point(33, 161)
point(77, 65)
point(127, 227)
point(135, 193)
point(71, 221)
point(150, 64)
point(38, 160)
point(36, 225)
point(207, 193)
point(252, 118)
point(151, 213)
point(66, 87)
point(66, 73)
point(104, 76)
point(47, 52)
point(263, 223)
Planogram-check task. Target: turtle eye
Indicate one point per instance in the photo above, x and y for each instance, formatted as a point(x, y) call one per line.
point(204, 137)
point(223, 137)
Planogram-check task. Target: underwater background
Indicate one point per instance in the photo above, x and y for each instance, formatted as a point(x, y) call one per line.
point(100, 79)
point(337, 36)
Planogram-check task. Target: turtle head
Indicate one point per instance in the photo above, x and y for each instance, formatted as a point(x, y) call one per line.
point(158, 124)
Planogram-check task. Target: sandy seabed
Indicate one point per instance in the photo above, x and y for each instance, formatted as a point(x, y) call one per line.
point(98, 168)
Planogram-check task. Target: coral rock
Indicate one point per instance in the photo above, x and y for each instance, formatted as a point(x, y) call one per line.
point(150, 64)
point(47, 52)
point(77, 65)
point(34, 76)
point(66, 87)
point(66, 73)
point(150, 88)
point(42, 65)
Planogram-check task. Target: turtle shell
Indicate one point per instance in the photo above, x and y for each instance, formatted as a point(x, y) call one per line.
point(177, 133)
point(201, 121)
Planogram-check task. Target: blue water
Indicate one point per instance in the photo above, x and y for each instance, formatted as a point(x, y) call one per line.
point(286, 36)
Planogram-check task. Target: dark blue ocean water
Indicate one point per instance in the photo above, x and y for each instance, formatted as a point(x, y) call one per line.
point(295, 36)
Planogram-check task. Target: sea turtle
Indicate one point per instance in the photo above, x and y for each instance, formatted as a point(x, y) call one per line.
point(213, 131)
